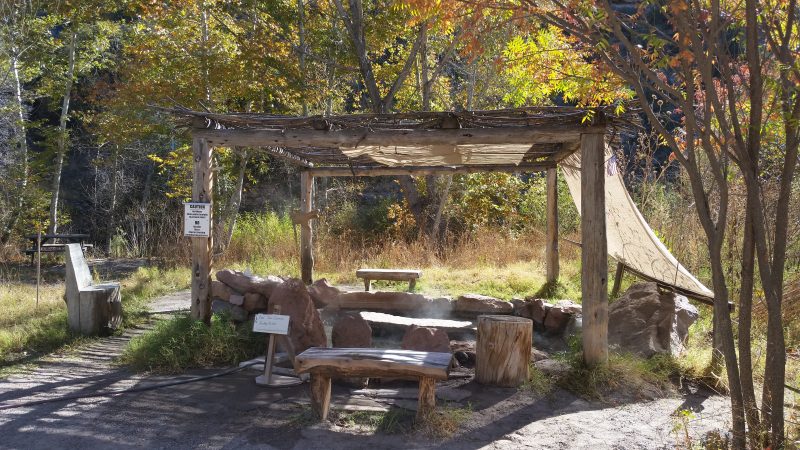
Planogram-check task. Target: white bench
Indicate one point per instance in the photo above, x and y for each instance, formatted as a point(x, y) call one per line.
point(91, 308)
point(389, 275)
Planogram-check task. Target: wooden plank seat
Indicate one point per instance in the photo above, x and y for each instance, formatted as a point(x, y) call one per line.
point(326, 363)
point(409, 275)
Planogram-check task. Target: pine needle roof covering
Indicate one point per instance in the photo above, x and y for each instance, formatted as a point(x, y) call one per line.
point(522, 139)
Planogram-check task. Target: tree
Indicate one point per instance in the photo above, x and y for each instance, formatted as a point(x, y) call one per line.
point(686, 57)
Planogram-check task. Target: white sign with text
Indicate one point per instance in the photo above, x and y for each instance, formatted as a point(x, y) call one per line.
point(196, 219)
point(271, 323)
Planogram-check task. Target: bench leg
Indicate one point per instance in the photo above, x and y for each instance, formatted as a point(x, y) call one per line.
point(427, 397)
point(320, 395)
point(412, 284)
point(366, 284)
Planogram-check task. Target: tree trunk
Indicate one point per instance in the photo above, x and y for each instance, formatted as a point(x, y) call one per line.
point(301, 25)
point(235, 201)
point(62, 136)
point(113, 206)
point(22, 144)
point(745, 328)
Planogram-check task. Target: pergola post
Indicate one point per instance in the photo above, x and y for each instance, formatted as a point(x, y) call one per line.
point(594, 263)
point(202, 192)
point(551, 249)
point(306, 206)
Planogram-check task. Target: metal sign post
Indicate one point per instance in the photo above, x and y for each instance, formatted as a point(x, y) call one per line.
point(273, 324)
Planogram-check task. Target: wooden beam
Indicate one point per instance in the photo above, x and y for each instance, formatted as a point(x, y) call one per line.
point(354, 137)
point(551, 249)
point(366, 171)
point(287, 155)
point(618, 279)
point(594, 263)
point(202, 191)
point(306, 249)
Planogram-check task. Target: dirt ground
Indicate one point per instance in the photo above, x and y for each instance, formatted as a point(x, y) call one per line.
point(233, 412)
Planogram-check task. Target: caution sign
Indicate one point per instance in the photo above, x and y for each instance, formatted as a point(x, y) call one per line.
point(196, 219)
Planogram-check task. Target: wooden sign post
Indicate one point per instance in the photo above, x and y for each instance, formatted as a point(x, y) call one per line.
point(273, 324)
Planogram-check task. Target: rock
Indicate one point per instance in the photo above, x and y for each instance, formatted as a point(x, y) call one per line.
point(425, 339)
point(237, 299)
point(465, 358)
point(305, 327)
point(481, 304)
point(406, 302)
point(451, 394)
point(221, 291)
point(569, 306)
point(538, 355)
point(244, 283)
point(645, 321)
point(521, 307)
point(560, 315)
point(539, 309)
point(322, 293)
point(254, 302)
point(351, 330)
point(237, 314)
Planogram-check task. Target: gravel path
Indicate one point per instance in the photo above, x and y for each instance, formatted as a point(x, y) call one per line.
point(232, 412)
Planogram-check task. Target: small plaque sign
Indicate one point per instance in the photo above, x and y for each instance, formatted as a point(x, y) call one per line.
point(196, 219)
point(271, 323)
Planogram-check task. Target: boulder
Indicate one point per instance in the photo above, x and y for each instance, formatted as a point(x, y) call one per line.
point(481, 304)
point(322, 293)
point(221, 290)
point(560, 315)
point(237, 313)
point(305, 327)
point(246, 283)
point(238, 300)
point(351, 330)
point(254, 302)
point(645, 321)
point(425, 339)
point(402, 302)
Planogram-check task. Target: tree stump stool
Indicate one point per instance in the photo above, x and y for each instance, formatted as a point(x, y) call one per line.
point(503, 350)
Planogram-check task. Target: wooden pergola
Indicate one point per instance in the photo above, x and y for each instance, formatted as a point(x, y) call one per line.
point(423, 143)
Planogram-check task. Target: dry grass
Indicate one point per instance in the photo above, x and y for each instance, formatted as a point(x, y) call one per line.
point(443, 422)
point(27, 331)
point(488, 261)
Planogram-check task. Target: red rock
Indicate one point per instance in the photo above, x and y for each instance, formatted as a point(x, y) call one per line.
point(305, 326)
point(425, 339)
point(254, 302)
point(221, 290)
point(482, 304)
point(323, 293)
point(351, 330)
point(244, 283)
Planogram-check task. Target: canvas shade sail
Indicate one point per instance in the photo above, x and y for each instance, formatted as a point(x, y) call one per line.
point(442, 155)
point(631, 241)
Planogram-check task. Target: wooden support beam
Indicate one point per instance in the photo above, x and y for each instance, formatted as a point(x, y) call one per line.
point(551, 249)
point(594, 263)
point(202, 191)
point(306, 206)
point(366, 171)
point(289, 156)
point(618, 279)
point(354, 137)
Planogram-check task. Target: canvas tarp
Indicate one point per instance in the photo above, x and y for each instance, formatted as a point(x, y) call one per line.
point(631, 241)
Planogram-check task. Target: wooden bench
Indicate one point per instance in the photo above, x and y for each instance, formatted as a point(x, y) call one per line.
point(389, 275)
point(55, 243)
point(91, 308)
point(326, 363)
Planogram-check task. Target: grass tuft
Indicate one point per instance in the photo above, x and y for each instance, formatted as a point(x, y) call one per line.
point(538, 382)
point(393, 421)
point(444, 422)
point(182, 342)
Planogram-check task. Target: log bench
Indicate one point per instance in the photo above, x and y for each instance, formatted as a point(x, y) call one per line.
point(409, 275)
point(326, 363)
